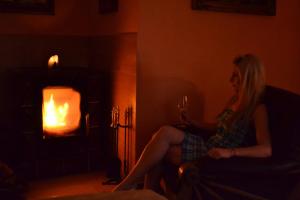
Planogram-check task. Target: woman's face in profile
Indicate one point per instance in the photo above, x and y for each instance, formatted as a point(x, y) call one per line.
point(235, 80)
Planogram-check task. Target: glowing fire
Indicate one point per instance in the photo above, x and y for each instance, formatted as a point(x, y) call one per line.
point(61, 110)
point(55, 116)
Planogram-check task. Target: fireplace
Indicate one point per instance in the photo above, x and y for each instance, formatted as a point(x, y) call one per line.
point(61, 120)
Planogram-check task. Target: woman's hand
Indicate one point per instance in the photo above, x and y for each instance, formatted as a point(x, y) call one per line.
point(218, 153)
point(184, 117)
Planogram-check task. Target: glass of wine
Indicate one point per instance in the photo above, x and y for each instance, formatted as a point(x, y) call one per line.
point(182, 108)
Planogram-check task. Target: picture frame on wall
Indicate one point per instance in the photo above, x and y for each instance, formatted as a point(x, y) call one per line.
point(256, 7)
point(108, 6)
point(27, 6)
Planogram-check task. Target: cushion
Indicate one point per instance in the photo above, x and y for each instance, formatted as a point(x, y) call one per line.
point(283, 109)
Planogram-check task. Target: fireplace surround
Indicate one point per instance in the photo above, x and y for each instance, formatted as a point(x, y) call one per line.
point(39, 154)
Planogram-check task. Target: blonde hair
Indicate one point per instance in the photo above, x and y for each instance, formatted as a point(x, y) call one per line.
point(252, 85)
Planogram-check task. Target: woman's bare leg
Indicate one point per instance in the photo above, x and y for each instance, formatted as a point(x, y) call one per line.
point(153, 153)
point(154, 175)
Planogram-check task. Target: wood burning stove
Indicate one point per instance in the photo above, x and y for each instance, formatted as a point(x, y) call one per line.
point(62, 116)
point(64, 103)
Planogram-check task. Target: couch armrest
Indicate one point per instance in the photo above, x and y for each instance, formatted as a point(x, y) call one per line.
point(245, 178)
point(236, 167)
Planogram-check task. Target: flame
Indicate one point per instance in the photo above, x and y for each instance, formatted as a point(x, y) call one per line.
point(61, 111)
point(54, 116)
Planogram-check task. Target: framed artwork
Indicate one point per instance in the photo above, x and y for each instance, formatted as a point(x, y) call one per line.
point(108, 6)
point(28, 6)
point(258, 7)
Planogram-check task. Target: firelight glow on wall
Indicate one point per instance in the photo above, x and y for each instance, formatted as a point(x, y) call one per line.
point(53, 61)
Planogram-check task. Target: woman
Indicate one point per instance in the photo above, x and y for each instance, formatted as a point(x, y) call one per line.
point(232, 131)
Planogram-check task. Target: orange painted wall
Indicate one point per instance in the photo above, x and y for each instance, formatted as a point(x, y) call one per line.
point(187, 52)
point(73, 17)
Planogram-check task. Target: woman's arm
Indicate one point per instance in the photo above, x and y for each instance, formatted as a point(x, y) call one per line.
point(204, 125)
point(187, 121)
point(261, 149)
point(210, 127)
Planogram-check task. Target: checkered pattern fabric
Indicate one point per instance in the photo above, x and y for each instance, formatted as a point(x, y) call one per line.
point(194, 146)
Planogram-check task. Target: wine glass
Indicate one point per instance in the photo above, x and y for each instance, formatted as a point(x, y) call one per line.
point(182, 108)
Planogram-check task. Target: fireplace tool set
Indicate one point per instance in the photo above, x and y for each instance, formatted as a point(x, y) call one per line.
point(114, 167)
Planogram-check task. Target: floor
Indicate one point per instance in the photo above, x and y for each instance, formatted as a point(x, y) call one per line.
point(68, 185)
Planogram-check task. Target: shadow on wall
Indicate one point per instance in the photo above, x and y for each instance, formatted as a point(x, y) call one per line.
point(163, 95)
point(177, 89)
point(166, 92)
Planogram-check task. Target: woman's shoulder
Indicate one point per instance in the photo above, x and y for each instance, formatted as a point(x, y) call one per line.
point(260, 110)
point(261, 106)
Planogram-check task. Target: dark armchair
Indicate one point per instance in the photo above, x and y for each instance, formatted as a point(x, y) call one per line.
point(274, 178)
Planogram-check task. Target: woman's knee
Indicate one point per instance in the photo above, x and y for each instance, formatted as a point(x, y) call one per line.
point(166, 129)
point(164, 132)
point(169, 134)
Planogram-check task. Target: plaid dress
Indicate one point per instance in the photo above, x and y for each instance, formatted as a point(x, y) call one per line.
point(195, 146)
